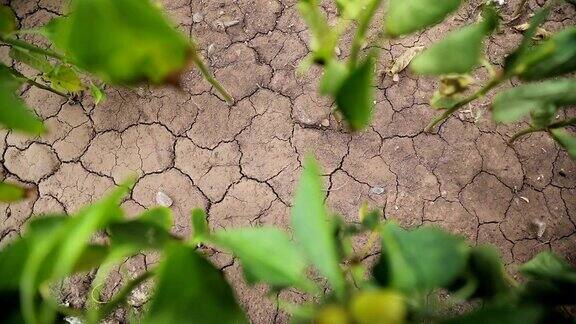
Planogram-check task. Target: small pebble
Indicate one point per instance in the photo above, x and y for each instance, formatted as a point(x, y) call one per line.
point(325, 122)
point(197, 17)
point(163, 200)
point(377, 190)
point(540, 227)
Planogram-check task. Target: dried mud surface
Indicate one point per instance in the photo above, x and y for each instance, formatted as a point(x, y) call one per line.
point(242, 162)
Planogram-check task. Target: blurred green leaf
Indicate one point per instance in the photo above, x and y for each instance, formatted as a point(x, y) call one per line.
point(544, 115)
point(98, 94)
point(191, 290)
point(13, 112)
point(485, 265)
point(419, 260)
point(335, 73)
point(64, 248)
point(12, 259)
point(159, 216)
point(552, 280)
point(200, 229)
point(8, 22)
point(10, 192)
point(460, 51)
point(547, 265)
point(64, 78)
point(354, 98)
point(554, 57)
point(567, 141)
point(407, 16)
point(513, 104)
point(139, 234)
point(122, 41)
point(312, 228)
point(512, 60)
point(267, 255)
point(324, 37)
point(34, 60)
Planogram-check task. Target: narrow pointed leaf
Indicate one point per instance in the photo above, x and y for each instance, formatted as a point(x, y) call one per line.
point(354, 98)
point(313, 230)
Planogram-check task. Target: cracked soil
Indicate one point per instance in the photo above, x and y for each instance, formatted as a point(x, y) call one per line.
point(241, 162)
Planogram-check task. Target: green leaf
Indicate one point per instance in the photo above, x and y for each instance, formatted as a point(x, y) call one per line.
point(8, 22)
point(150, 230)
point(547, 265)
point(64, 248)
point(511, 62)
point(34, 60)
point(159, 216)
point(459, 52)
point(335, 73)
point(13, 112)
point(313, 230)
point(98, 94)
point(554, 57)
point(419, 260)
point(64, 78)
point(267, 255)
point(122, 41)
point(407, 16)
point(566, 140)
point(10, 192)
point(512, 104)
point(486, 266)
point(324, 37)
point(191, 290)
point(552, 280)
point(354, 98)
point(199, 225)
point(12, 259)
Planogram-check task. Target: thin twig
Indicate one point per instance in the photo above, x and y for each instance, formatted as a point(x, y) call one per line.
point(209, 76)
point(32, 48)
point(36, 84)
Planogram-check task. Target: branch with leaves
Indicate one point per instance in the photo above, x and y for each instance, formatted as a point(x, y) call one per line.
point(403, 286)
point(452, 58)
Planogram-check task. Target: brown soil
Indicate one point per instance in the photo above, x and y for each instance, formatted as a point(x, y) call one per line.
point(241, 162)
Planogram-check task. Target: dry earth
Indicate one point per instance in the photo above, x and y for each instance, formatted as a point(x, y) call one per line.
point(241, 162)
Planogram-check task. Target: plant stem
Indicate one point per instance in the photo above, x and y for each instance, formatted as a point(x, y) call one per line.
point(498, 78)
point(209, 76)
point(529, 130)
point(360, 35)
point(31, 48)
point(34, 83)
point(121, 296)
point(523, 132)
